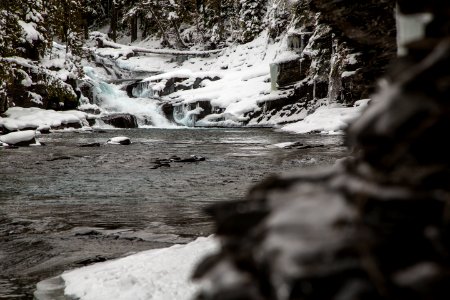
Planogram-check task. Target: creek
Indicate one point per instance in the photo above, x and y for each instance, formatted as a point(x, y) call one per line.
point(63, 206)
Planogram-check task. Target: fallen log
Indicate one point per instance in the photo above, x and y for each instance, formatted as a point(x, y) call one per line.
point(102, 43)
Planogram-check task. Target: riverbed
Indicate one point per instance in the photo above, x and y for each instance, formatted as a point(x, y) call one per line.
point(63, 206)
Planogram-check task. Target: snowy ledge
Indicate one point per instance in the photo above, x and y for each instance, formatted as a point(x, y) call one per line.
point(158, 274)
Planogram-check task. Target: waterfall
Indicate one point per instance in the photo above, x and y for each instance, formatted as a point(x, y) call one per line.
point(183, 114)
point(143, 90)
point(111, 99)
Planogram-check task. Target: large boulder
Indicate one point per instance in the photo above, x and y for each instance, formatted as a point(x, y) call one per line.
point(121, 120)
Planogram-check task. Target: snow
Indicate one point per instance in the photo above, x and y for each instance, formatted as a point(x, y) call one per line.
point(18, 118)
point(243, 85)
point(348, 73)
point(36, 98)
point(286, 57)
point(328, 119)
point(352, 59)
point(17, 137)
point(159, 274)
point(182, 73)
point(283, 145)
point(30, 32)
point(243, 71)
point(119, 140)
point(26, 82)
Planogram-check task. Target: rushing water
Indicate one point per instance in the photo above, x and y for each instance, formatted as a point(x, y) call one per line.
point(62, 206)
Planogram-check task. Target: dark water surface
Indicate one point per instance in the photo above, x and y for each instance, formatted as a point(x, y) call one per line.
point(62, 206)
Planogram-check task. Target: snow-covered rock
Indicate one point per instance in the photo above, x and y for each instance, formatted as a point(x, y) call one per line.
point(119, 140)
point(19, 138)
point(19, 118)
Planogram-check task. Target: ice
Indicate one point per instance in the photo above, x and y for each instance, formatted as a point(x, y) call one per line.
point(186, 117)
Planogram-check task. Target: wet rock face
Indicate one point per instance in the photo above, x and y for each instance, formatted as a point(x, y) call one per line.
point(164, 87)
point(350, 47)
point(121, 120)
point(374, 226)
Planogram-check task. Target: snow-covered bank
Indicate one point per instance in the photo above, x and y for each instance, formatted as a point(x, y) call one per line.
point(328, 119)
point(241, 73)
point(240, 94)
point(159, 274)
point(19, 118)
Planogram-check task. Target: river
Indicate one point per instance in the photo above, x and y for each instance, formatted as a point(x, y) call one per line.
point(63, 206)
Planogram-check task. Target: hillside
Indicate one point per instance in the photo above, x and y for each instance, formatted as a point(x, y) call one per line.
point(277, 60)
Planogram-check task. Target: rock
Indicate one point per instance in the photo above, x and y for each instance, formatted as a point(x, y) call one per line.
point(287, 72)
point(20, 138)
point(90, 145)
point(91, 120)
point(120, 120)
point(200, 158)
point(309, 146)
point(44, 129)
point(346, 232)
point(293, 145)
point(63, 157)
point(193, 158)
point(160, 165)
point(158, 162)
point(120, 140)
point(167, 85)
point(75, 125)
point(175, 158)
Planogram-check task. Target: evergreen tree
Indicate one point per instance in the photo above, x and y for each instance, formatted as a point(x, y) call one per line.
point(251, 17)
point(23, 28)
point(27, 30)
point(279, 14)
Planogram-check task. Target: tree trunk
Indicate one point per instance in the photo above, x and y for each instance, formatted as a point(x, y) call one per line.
point(160, 26)
point(177, 34)
point(134, 28)
point(113, 25)
point(86, 27)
